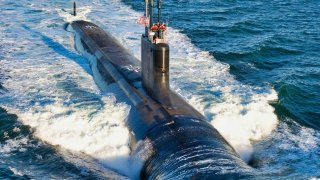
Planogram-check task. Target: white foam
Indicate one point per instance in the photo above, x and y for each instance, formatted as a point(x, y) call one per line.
point(101, 134)
point(13, 144)
point(291, 148)
point(67, 15)
point(15, 171)
point(241, 129)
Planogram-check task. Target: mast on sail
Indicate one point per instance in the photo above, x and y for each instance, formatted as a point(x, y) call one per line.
point(155, 31)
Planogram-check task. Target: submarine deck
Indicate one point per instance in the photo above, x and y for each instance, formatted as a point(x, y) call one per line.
point(110, 52)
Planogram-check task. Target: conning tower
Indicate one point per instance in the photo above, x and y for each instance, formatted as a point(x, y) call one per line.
point(155, 56)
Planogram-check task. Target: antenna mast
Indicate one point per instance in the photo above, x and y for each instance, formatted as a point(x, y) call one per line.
point(155, 31)
point(151, 13)
point(146, 15)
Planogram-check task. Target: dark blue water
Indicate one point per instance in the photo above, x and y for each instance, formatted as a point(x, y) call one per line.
point(42, 79)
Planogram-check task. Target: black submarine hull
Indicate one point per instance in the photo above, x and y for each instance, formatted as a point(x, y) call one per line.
point(176, 140)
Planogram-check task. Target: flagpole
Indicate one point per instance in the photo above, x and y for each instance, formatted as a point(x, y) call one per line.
point(151, 13)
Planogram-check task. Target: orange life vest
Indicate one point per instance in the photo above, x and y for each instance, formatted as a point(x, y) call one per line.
point(162, 27)
point(154, 28)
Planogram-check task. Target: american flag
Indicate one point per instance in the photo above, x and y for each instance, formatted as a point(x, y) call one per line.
point(143, 20)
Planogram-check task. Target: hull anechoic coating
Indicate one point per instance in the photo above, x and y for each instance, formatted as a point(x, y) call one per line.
point(183, 143)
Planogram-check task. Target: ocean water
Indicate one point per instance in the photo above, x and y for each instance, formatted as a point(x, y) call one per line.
point(251, 67)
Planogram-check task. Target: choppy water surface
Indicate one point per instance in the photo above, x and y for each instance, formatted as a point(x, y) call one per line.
point(251, 67)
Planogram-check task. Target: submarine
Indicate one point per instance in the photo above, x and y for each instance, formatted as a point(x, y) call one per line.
point(177, 141)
